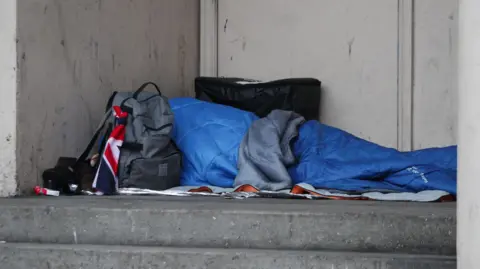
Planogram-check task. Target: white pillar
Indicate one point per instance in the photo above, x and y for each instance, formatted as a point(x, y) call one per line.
point(468, 215)
point(8, 97)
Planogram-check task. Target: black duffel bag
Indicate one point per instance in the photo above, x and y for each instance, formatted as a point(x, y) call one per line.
point(301, 95)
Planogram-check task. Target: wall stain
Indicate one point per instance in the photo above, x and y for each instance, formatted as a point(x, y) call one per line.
point(63, 33)
point(225, 26)
point(21, 70)
point(155, 54)
point(113, 63)
point(450, 41)
point(181, 52)
point(235, 40)
point(39, 148)
point(79, 74)
point(96, 49)
point(244, 43)
point(432, 62)
point(59, 110)
point(350, 45)
point(74, 72)
point(33, 161)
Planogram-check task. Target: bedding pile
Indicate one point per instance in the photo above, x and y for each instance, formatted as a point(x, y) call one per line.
point(226, 150)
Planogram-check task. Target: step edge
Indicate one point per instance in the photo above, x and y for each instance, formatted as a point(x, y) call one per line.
point(186, 250)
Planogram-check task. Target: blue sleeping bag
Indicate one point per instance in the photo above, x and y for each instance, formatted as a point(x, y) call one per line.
point(209, 135)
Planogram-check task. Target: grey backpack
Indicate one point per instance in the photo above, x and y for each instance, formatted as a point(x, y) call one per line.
point(148, 157)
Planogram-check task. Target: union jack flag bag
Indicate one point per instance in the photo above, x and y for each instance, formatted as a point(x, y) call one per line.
point(106, 179)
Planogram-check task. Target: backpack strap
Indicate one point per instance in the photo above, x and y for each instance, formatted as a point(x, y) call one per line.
point(87, 150)
point(110, 101)
point(142, 88)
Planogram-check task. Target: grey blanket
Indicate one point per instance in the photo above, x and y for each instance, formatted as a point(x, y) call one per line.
point(265, 152)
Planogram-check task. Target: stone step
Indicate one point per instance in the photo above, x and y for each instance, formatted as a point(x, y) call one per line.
point(41, 256)
point(410, 228)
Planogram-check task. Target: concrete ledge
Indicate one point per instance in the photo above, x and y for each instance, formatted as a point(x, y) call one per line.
point(21, 256)
point(219, 223)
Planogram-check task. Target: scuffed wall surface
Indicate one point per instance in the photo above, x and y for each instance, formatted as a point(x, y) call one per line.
point(72, 54)
point(351, 46)
point(8, 86)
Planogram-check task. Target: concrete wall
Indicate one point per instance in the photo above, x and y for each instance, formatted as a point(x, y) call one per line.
point(72, 54)
point(388, 66)
point(468, 205)
point(8, 104)
point(435, 96)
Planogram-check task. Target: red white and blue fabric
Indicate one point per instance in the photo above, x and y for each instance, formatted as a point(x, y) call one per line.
point(106, 179)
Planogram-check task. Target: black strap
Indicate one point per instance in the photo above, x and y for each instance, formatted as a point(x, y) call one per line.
point(87, 150)
point(132, 146)
point(135, 95)
point(125, 108)
point(159, 128)
point(110, 101)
